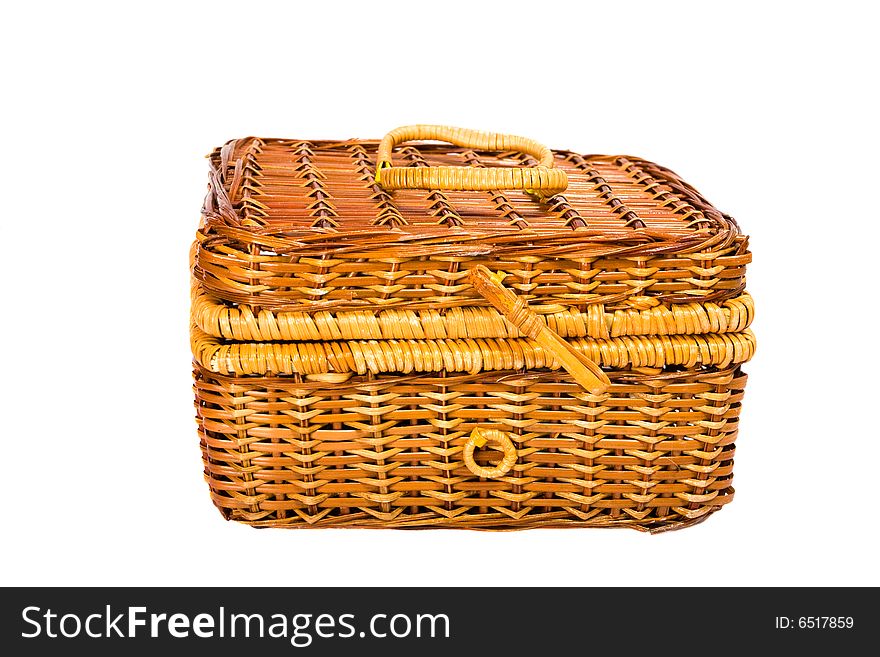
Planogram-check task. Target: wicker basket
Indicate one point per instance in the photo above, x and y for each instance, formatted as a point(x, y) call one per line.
point(488, 335)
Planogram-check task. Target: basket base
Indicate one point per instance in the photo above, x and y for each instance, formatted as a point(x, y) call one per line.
point(655, 452)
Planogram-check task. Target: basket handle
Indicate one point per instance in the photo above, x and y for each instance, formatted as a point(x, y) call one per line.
point(543, 179)
point(587, 373)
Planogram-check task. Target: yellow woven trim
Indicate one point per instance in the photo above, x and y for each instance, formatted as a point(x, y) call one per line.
point(242, 324)
point(463, 355)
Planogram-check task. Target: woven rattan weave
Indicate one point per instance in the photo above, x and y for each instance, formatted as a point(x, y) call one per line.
point(487, 334)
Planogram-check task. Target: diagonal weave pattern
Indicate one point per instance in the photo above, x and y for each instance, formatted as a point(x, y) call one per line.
point(303, 226)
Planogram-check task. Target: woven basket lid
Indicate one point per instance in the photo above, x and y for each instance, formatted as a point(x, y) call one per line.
point(332, 185)
point(305, 226)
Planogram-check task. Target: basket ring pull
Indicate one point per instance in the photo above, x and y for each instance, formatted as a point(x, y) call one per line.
point(542, 180)
point(583, 370)
point(498, 440)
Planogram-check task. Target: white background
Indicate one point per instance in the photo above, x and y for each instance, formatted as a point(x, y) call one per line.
point(769, 109)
